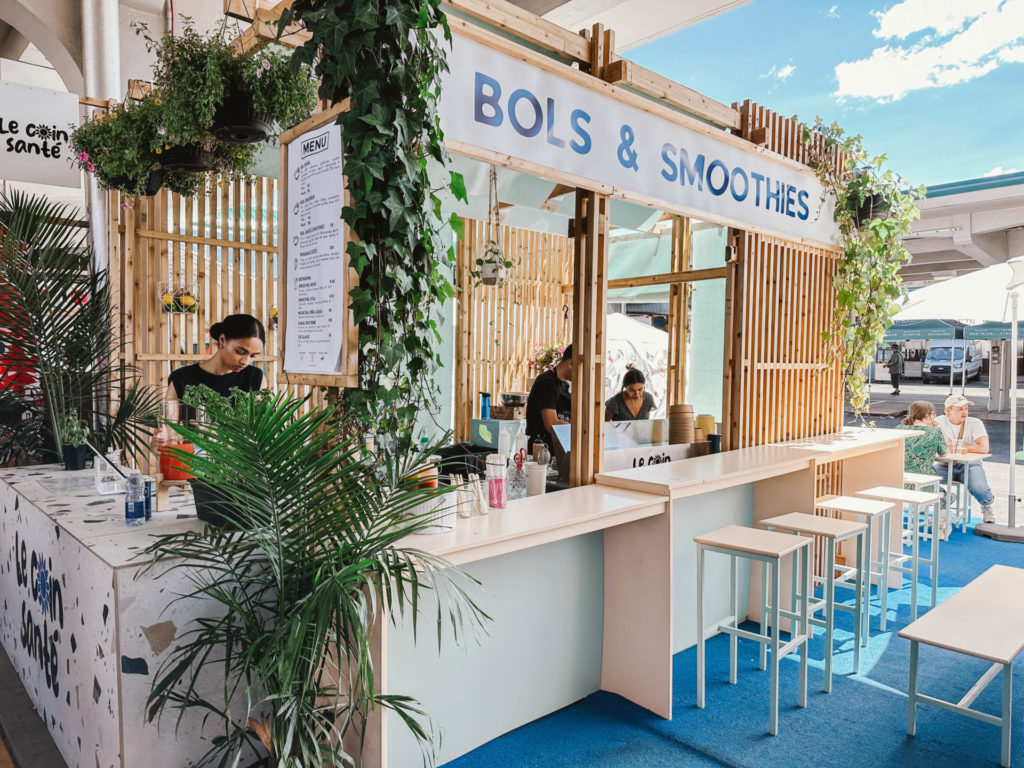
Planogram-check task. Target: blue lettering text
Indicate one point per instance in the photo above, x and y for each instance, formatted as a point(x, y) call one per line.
point(489, 100)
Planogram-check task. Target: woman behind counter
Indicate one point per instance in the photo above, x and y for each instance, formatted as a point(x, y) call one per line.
point(239, 339)
point(633, 402)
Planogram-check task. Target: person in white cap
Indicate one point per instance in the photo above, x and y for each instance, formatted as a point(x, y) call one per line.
point(970, 434)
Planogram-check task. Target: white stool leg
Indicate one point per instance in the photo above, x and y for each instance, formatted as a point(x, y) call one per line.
point(934, 569)
point(914, 567)
point(764, 613)
point(735, 606)
point(866, 570)
point(858, 602)
point(700, 626)
point(1007, 714)
point(883, 580)
point(773, 696)
point(912, 691)
point(830, 567)
point(805, 619)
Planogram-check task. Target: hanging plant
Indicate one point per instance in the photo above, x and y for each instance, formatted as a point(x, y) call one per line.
point(122, 146)
point(874, 208)
point(215, 93)
point(492, 266)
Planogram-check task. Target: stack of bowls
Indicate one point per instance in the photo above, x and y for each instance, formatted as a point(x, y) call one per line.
point(680, 424)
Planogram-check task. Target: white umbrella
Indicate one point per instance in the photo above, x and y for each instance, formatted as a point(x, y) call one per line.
point(988, 295)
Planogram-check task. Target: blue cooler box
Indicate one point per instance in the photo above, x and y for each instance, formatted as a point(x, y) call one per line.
point(484, 432)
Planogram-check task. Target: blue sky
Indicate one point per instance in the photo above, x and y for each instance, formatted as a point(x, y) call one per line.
point(936, 85)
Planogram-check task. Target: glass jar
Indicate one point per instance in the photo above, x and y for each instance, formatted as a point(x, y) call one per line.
point(516, 482)
point(496, 481)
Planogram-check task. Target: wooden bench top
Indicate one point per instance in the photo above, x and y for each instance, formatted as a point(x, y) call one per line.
point(889, 493)
point(816, 525)
point(753, 540)
point(983, 619)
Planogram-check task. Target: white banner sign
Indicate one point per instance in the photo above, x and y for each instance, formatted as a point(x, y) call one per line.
point(35, 135)
point(316, 299)
point(496, 102)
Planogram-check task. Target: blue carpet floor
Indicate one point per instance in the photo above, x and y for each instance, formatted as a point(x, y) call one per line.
point(862, 722)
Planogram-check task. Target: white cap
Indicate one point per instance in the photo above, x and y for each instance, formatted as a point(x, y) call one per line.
point(955, 401)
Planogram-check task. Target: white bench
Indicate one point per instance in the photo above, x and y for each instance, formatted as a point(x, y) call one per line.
point(977, 621)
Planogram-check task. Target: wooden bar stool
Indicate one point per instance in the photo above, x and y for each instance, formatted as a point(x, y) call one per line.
point(918, 504)
point(830, 531)
point(876, 515)
point(769, 548)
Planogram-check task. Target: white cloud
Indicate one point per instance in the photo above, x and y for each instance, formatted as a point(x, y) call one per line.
point(966, 45)
point(999, 171)
point(832, 12)
point(779, 73)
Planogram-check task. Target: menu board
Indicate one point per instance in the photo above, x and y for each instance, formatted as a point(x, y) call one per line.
point(316, 304)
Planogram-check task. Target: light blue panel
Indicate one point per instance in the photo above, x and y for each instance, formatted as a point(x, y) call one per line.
point(542, 653)
point(691, 517)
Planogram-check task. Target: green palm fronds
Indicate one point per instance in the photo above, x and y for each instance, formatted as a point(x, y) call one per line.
point(296, 592)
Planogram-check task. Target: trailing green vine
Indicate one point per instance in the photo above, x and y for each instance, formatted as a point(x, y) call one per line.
point(386, 57)
point(874, 210)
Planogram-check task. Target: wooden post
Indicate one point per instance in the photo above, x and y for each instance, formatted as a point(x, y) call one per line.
point(678, 311)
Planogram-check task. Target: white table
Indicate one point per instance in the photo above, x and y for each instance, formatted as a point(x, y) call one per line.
point(950, 459)
point(976, 621)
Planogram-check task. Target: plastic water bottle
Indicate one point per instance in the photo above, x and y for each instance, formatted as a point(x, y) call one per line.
point(135, 501)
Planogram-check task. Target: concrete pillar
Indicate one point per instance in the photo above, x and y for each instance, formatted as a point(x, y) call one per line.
point(101, 47)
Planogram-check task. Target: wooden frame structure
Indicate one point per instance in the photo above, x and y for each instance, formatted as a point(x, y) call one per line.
point(778, 290)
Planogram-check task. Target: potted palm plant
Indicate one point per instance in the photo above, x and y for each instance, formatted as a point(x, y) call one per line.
point(57, 326)
point(295, 590)
point(73, 432)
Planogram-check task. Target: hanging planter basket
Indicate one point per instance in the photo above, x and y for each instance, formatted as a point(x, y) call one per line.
point(154, 182)
point(236, 122)
point(874, 206)
point(492, 273)
point(187, 158)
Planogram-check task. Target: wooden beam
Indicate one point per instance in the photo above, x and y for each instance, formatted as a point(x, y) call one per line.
point(139, 89)
point(555, 198)
point(668, 278)
point(525, 26)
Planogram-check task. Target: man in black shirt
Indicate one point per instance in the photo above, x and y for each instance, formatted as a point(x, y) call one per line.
point(549, 402)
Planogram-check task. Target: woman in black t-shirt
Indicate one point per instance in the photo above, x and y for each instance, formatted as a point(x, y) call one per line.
point(633, 402)
point(239, 339)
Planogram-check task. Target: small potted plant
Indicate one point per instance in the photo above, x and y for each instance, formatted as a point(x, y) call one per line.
point(72, 433)
point(492, 266)
point(121, 146)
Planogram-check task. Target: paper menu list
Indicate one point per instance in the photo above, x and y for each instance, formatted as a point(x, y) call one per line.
point(315, 253)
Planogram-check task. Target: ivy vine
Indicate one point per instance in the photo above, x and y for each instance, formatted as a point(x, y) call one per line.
point(386, 56)
point(874, 210)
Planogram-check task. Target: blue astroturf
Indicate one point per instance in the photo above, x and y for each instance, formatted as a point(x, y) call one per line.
point(862, 722)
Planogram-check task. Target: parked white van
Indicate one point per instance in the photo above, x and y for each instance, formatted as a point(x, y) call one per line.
point(942, 353)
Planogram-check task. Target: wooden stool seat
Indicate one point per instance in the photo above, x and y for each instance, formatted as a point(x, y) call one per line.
point(753, 541)
point(816, 525)
point(854, 505)
point(900, 495)
point(918, 481)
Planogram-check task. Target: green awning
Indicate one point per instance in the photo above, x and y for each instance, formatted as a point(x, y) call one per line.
point(991, 331)
point(918, 330)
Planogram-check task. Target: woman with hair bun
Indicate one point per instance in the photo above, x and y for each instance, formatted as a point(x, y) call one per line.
point(239, 339)
point(632, 402)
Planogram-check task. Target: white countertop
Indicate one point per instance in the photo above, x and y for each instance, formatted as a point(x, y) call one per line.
point(848, 442)
point(538, 520)
point(71, 501)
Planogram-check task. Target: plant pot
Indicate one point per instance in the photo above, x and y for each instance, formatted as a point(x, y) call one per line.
point(75, 456)
point(170, 466)
point(236, 122)
point(491, 273)
point(215, 507)
point(872, 207)
point(154, 182)
point(187, 158)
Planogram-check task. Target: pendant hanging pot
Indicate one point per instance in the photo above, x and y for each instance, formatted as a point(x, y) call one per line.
point(873, 206)
point(236, 122)
point(154, 182)
point(491, 272)
point(188, 158)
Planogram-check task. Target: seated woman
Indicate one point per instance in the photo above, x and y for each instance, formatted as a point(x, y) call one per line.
point(632, 402)
point(919, 452)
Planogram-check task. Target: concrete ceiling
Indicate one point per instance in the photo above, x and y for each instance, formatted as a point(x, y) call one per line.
point(635, 21)
point(965, 226)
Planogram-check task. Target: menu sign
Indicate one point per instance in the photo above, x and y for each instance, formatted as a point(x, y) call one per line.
point(315, 253)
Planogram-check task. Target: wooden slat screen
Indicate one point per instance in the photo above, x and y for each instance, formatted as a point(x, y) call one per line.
point(224, 244)
point(497, 328)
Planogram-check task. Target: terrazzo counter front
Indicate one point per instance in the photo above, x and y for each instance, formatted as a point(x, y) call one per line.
point(84, 630)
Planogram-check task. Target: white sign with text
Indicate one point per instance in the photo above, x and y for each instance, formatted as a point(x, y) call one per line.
point(500, 103)
point(316, 298)
point(35, 135)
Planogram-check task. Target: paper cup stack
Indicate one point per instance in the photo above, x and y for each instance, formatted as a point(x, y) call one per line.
point(706, 422)
point(680, 424)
